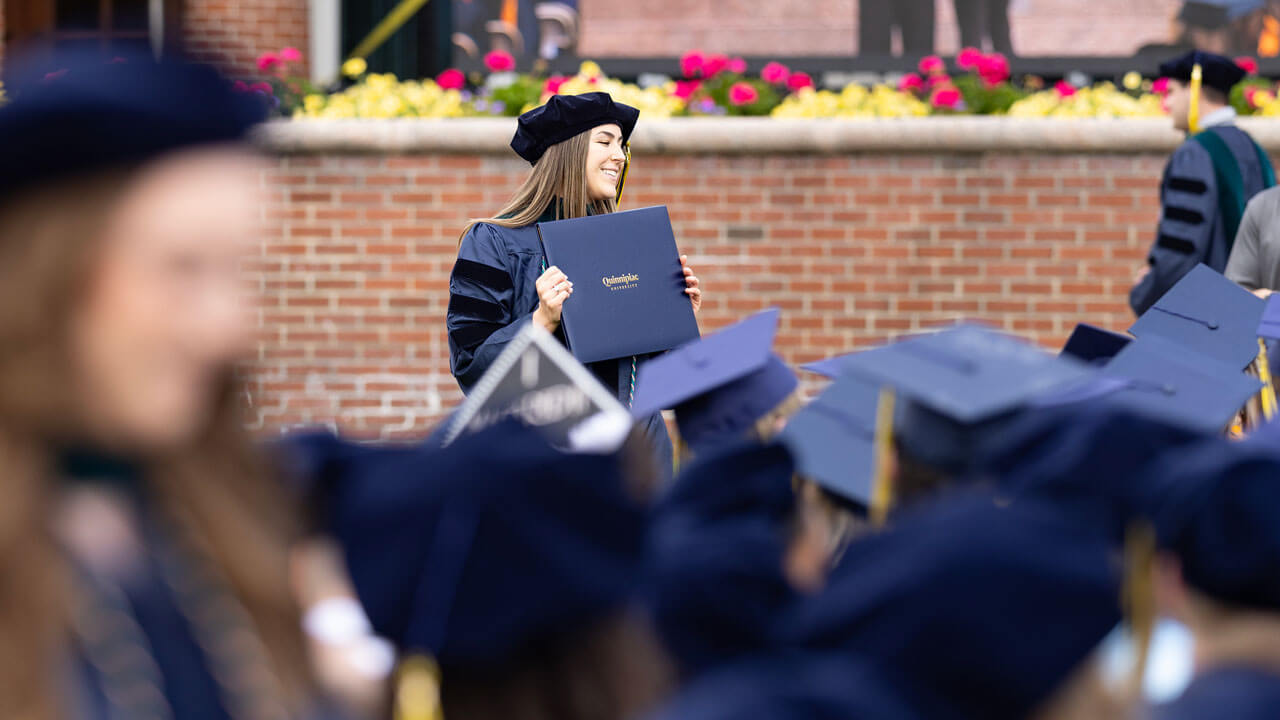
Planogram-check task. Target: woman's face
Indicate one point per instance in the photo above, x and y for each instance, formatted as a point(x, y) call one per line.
point(165, 309)
point(604, 162)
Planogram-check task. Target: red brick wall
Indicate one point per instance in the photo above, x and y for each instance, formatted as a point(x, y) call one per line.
point(233, 33)
point(855, 249)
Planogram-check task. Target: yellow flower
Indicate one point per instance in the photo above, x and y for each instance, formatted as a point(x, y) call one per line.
point(1132, 80)
point(313, 103)
point(354, 68)
point(589, 69)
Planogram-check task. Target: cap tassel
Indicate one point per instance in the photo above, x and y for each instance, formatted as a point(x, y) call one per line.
point(882, 490)
point(418, 689)
point(1193, 109)
point(1139, 595)
point(622, 178)
point(1268, 393)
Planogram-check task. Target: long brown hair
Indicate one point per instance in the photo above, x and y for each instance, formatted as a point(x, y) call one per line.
point(217, 491)
point(559, 177)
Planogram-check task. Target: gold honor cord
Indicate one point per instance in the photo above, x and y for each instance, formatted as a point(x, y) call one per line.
point(394, 20)
point(418, 690)
point(1139, 594)
point(882, 479)
point(1268, 393)
point(1193, 107)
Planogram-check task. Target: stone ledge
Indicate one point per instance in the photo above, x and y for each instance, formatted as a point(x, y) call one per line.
point(743, 136)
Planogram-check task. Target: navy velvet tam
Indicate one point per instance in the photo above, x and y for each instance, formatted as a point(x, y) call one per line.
point(1217, 72)
point(564, 116)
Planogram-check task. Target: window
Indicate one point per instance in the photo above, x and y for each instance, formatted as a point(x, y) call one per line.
point(110, 26)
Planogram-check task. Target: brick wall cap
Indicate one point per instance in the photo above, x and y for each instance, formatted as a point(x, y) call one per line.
point(744, 136)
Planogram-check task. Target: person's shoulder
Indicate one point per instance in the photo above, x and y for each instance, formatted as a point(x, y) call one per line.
point(500, 237)
point(1267, 200)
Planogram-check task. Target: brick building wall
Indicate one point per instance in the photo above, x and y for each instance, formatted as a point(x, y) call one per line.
point(233, 33)
point(855, 248)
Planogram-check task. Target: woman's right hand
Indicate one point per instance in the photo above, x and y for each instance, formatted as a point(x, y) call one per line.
point(553, 289)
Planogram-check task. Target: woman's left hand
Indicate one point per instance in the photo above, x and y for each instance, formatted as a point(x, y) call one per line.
point(691, 284)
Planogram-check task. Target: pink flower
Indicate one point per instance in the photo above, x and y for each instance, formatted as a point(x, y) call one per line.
point(1247, 64)
point(1065, 89)
point(686, 88)
point(240, 86)
point(742, 94)
point(553, 84)
point(932, 65)
point(1160, 86)
point(911, 82)
point(939, 81)
point(799, 81)
point(993, 68)
point(692, 64)
point(969, 58)
point(715, 65)
point(451, 79)
point(290, 55)
point(261, 87)
point(737, 66)
point(947, 98)
point(1249, 92)
point(499, 61)
point(268, 60)
point(775, 73)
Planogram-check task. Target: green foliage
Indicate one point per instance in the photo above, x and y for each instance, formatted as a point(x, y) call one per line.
point(1239, 98)
point(983, 99)
point(525, 91)
point(718, 90)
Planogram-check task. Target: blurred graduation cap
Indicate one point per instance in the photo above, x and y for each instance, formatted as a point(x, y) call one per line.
point(1214, 14)
point(958, 384)
point(833, 440)
point(537, 381)
point(1156, 377)
point(1269, 323)
point(1239, 691)
point(1092, 344)
point(978, 609)
point(1207, 314)
point(500, 540)
point(94, 115)
point(1217, 514)
point(719, 385)
point(714, 554)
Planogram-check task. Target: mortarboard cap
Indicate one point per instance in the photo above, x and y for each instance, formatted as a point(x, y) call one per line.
point(980, 610)
point(1217, 514)
point(958, 384)
point(93, 115)
point(1218, 72)
point(1163, 380)
point(1208, 314)
point(500, 514)
point(719, 385)
point(1269, 323)
point(833, 439)
point(564, 116)
point(1092, 344)
point(714, 554)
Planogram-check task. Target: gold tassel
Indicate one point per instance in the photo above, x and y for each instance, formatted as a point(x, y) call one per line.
point(418, 689)
point(1268, 393)
point(882, 490)
point(1193, 109)
point(1139, 594)
point(622, 178)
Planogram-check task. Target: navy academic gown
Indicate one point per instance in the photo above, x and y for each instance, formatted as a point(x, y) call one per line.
point(1237, 692)
point(492, 296)
point(1192, 228)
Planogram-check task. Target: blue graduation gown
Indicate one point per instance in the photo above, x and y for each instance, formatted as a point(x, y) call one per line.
point(1191, 229)
point(492, 296)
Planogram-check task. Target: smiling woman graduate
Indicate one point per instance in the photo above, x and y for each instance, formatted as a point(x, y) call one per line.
point(578, 146)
